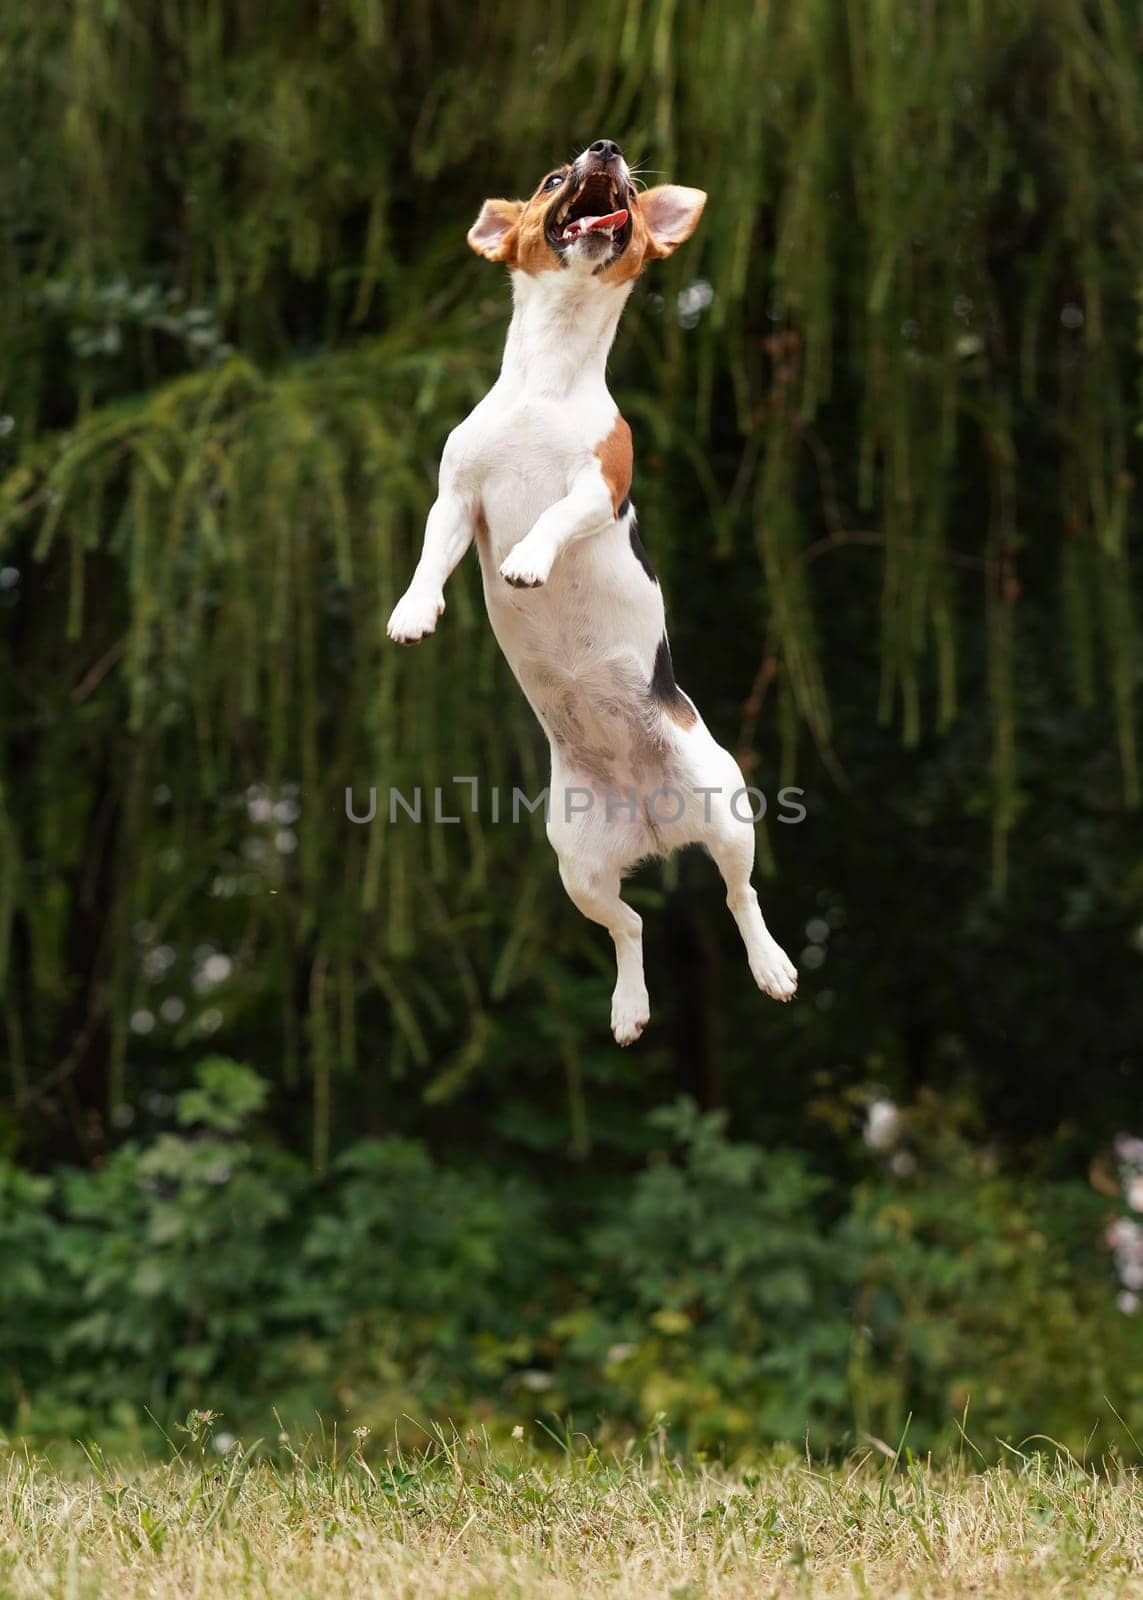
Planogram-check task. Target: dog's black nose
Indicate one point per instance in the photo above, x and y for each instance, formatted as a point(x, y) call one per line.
point(607, 149)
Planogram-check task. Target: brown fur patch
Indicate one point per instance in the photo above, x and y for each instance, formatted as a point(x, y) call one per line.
point(533, 252)
point(671, 214)
point(512, 231)
point(681, 712)
point(615, 458)
point(493, 234)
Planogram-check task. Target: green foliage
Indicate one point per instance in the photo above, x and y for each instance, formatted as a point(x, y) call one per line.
point(208, 1261)
point(239, 319)
point(725, 1287)
point(884, 409)
point(733, 1305)
point(744, 1309)
point(227, 1094)
point(986, 1292)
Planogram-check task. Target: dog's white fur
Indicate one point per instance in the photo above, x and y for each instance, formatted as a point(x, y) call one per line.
point(574, 609)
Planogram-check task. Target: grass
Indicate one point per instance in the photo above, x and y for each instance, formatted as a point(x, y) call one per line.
point(464, 1519)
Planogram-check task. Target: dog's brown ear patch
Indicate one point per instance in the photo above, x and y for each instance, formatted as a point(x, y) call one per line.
point(671, 212)
point(494, 233)
point(615, 458)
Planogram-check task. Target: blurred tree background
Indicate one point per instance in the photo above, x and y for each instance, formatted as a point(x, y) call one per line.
point(885, 407)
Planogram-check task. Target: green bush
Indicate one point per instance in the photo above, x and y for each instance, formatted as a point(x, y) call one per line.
point(727, 1299)
point(208, 1264)
point(725, 1286)
point(992, 1292)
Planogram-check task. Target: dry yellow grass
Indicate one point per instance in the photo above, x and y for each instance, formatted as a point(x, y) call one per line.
point(465, 1520)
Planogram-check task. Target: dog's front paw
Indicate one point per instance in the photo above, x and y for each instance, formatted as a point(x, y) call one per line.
point(774, 972)
point(415, 616)
point(527, 566)
point(630, 1014)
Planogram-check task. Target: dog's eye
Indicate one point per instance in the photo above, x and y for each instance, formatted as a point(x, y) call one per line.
point(554, 181)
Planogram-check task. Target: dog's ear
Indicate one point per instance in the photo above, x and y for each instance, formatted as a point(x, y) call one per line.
point(671, 213)
point(493, 234)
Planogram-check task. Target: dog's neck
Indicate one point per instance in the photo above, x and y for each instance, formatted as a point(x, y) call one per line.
point(561, 330)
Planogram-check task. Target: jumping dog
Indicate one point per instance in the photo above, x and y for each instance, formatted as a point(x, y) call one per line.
point(539, 474)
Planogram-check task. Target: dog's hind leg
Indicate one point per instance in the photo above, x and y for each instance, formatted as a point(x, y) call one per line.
point(729, 836)
point(593, 888)
point(597, 896)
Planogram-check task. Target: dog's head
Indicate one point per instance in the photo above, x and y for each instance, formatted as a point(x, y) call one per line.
point(588, 219)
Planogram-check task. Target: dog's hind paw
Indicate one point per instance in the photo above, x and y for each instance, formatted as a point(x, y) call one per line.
point(774, 972)
point(630, 1014)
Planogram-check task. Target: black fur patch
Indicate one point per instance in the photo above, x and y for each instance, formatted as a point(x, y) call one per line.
point(666, 691)
point(640, 554)
point(624, 507)
point(663, 685)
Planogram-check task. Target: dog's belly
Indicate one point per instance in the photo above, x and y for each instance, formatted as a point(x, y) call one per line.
point(582, 647)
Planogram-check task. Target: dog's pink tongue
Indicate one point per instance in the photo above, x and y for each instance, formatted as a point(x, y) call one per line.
point(587, 224)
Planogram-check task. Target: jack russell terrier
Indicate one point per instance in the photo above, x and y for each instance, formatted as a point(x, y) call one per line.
point(539, 475)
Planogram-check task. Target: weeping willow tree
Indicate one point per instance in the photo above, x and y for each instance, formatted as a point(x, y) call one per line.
point(240, 318)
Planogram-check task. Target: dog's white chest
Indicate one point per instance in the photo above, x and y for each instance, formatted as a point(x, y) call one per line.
point(521, 455)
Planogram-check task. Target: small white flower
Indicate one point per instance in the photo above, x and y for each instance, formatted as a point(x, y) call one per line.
point(1128, 1148)
point(693, 301)
point(1122, 1234)
point(259, 807)
point(158, 962)
point(882, 1124)
point(517, 1432)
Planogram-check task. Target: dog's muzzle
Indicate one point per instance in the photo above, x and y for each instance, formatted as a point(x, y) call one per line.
point(593, 206)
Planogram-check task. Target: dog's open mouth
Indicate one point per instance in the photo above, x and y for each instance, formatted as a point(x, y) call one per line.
point(596, 210)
